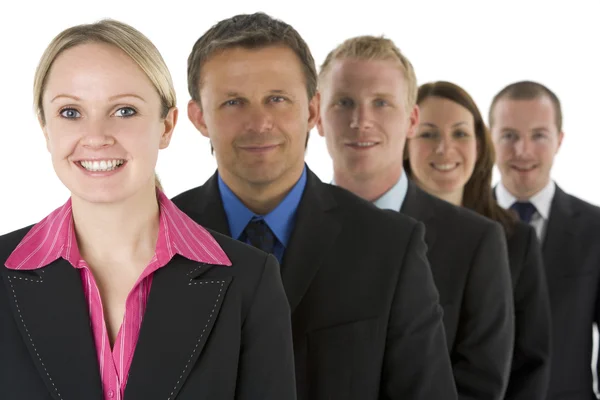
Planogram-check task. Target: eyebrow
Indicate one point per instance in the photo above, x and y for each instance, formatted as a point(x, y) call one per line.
point(384, 95)
point(68, 96)
point(540, 128)
point(435, 126)
point(232, 93)
point(118, 96)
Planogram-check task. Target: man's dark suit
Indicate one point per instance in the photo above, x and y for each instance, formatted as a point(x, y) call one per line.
point(365, 314)
point(209, 332)
point(571, 250)
point(530, 372)
point(469, 261)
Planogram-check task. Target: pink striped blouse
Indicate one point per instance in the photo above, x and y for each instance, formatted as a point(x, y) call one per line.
point(54, 237)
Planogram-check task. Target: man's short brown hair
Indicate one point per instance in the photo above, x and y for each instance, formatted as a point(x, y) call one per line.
point(374, 48)
point(528, 90)
point(250, 31)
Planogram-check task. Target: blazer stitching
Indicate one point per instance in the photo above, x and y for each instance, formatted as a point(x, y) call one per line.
point(29, 280)
point(30, 338)
point(201, 335)
point(196, 269)
point(203, 282)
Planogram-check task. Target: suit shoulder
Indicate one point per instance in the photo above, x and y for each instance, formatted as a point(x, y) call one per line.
point(185, 198)
point(365, 212)
point(591, 211)
point(8, 242)
point(463, 218)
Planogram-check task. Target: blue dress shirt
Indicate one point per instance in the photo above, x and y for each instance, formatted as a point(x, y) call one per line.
point(281, 220)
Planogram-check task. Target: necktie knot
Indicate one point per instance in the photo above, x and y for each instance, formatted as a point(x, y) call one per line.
point(260, 235)
point(525, 209)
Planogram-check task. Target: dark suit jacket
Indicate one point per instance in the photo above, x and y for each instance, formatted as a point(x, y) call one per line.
point(366, 319)
point(209, 332)
point(530, 372)
point(571, 251)
point(469, 261)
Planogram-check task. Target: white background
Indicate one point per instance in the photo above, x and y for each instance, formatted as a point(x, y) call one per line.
point(480, 45)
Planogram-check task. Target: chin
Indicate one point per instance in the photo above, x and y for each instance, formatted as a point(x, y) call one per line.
point(99, 197)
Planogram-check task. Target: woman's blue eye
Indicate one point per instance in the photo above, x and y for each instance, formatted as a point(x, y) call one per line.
point(70, 113)
point(125, 112)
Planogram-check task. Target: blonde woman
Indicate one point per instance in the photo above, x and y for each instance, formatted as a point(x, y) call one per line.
point(117, 294)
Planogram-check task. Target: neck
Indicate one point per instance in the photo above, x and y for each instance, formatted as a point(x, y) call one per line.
point(262, 198)
point(369, 188)
point(111, 233)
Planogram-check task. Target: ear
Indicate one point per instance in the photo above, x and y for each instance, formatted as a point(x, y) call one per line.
point(313, 111)
point(44, 131)
point(196, 117)
point(169, 125)
point(561, 136)
point(413, 122)
point(320, 129)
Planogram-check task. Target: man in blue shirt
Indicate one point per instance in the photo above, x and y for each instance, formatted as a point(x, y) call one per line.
point(366, 319)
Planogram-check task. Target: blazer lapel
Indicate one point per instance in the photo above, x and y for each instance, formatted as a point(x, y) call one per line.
point(51, 311)
point(315, 232)
point(559, 235)
point(418, 205)
point(180, 314)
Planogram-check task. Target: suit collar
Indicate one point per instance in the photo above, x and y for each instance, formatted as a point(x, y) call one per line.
point(50, 310)
point(206, 207)
point(315, 230)
point(314, 233)
point(560, 234)
point(421, 206)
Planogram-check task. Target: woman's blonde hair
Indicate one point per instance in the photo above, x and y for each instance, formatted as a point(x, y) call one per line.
point(126, 38)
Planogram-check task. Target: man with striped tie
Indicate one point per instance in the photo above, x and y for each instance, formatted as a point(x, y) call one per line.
point(526, 125)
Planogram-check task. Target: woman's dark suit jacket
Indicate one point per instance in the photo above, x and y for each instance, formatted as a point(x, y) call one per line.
point(209, 332)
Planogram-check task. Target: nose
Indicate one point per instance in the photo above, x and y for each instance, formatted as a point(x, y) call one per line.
point(260, 120)
point(97, 135)
point(522, 146)
point(444, 143)
point(361, 118)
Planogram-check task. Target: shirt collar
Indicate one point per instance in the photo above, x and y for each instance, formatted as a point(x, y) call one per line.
point(394, 197)
point(54, 237)
point(279, 220)
point(542, 200)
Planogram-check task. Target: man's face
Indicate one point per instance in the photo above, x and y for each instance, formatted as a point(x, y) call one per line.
point(364, 116)
point(257, 114)
point(526, 139)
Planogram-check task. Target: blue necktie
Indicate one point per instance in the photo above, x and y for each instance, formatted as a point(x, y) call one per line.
point(260, 235)
point(525, 210)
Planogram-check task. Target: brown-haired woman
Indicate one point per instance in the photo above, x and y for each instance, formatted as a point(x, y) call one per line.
point(452, 157)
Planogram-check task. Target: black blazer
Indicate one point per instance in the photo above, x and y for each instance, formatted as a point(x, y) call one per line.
point(209, 332)
point(571, 251)
point(469, 261)
point(366, 319)
point(530, 372)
